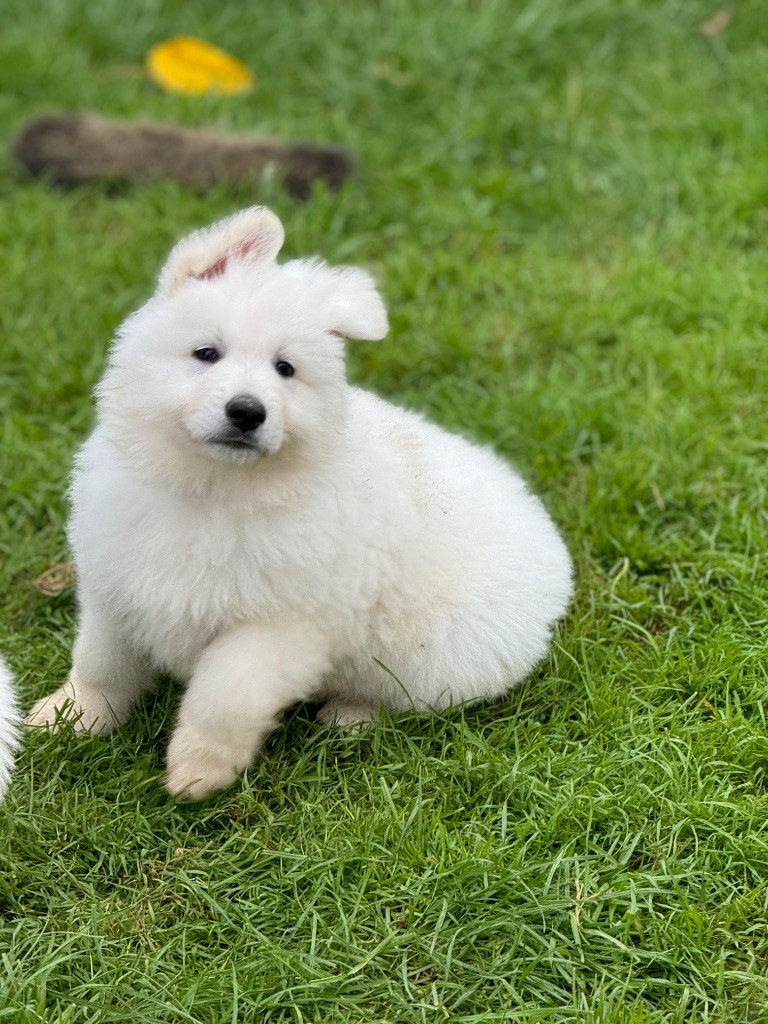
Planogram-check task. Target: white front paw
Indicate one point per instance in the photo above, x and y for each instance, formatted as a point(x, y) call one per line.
point(85, 710)
point(197, 767)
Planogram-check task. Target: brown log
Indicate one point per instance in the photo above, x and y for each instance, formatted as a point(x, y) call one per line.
point(72, 149)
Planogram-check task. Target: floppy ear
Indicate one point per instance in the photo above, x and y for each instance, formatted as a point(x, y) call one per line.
point(356, 308)
point(254, 235)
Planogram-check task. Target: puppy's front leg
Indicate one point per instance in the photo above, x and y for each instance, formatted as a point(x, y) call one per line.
point(107, 677)
point(243, 682)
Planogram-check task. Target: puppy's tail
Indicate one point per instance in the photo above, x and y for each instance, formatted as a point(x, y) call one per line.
point(9, 727)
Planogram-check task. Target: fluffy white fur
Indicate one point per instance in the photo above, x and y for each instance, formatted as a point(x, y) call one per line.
point(347, 551)
point(9, 727)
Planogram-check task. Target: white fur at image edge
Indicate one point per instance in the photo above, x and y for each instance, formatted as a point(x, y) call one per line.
point(9, 727)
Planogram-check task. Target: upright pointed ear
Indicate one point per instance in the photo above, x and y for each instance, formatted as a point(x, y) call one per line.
point(254, 235)
point(356, 308)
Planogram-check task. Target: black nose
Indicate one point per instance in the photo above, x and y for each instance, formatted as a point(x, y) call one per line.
point(245, 412)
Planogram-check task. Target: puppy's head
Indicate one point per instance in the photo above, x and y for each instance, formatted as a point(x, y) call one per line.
point(237, 357)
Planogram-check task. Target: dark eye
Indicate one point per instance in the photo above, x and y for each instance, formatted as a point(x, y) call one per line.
point(207, 354)
point(284, 368)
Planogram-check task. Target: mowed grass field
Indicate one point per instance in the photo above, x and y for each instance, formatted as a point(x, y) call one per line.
point(566, 206)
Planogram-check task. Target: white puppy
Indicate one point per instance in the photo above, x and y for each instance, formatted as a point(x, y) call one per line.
point(9, 727)
point(246, 520)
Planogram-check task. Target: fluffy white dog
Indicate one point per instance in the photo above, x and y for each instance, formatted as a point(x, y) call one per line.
point(9, 727)
point(246, 520)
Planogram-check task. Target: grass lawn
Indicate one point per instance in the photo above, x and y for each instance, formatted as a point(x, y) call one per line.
point(566, 205)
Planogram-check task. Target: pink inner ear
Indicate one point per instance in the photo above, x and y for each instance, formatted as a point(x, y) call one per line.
point(217, 269)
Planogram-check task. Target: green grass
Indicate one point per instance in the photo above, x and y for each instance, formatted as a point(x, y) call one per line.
point(567, 208)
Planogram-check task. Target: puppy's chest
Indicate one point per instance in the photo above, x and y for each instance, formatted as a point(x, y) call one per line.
point(180, 575)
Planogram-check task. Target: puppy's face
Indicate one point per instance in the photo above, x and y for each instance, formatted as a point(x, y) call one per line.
point(237, 357)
